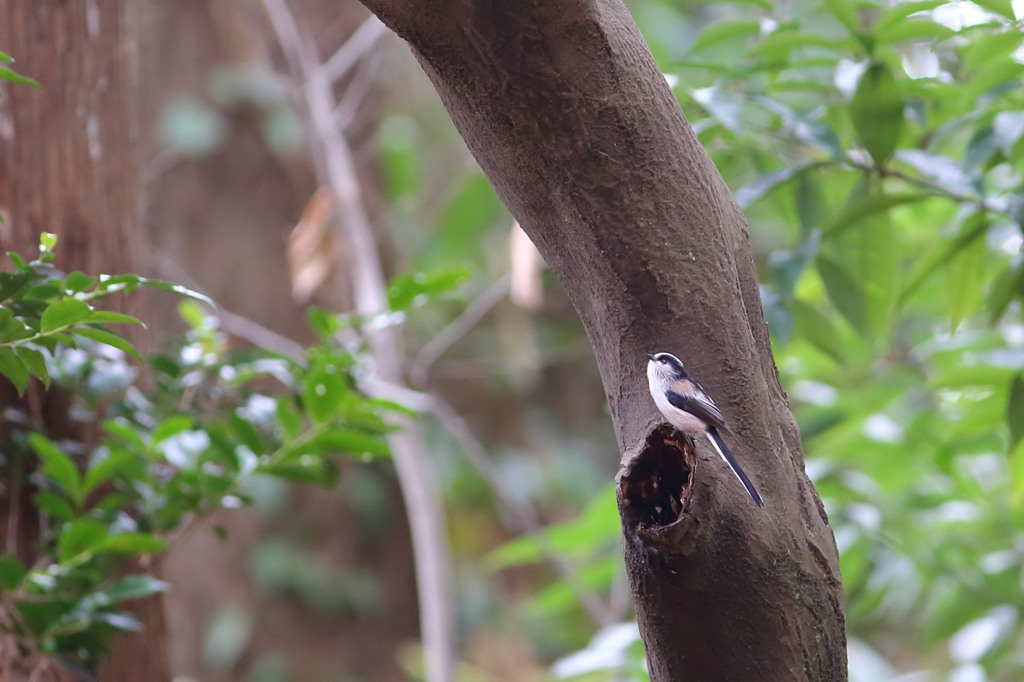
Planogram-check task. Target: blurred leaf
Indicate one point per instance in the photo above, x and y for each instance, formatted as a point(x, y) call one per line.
point(57, 466)
point(1015, 410)
point(415, 289)
point(877, 111)
point(13, 367)
point(724, 30)
point(171, 426)
point(788, 266)
point(966, 276)
point(845, 12)
point(107, 338)
point(769, 182)
point(311, 250)
point(354, 443)
point(974, 229)
point(134, 587)
point(99, 472)
point(844, 292)
point(35, 363)
point(817, 329)
point(304, 469)
point(323, 390)
point(919, 28)
point(992, 47)
point(11, 572)
point(863, 206)
point(79, 537)
point(1001, 7)
point(55, 505)
point(108, 317)
point(131, 543)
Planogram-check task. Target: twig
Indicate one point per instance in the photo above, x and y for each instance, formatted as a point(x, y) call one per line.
point(422, 500)
point(458, 328)
point(523, 514)
point(236, 325)
point(353, 49)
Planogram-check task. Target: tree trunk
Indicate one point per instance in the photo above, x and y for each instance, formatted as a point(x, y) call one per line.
point(68, 165)
point(565, 110)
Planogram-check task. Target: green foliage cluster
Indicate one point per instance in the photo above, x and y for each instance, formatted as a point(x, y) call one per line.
point(216, 421)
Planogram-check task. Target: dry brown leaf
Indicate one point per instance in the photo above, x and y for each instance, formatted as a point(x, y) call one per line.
point(311, 255)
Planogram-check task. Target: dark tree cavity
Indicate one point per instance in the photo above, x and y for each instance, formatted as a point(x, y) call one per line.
point(565, 110)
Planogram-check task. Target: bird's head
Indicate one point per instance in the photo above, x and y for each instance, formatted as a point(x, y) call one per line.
point(664, 368)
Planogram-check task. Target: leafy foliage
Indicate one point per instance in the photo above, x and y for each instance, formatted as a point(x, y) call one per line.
point(217, 422)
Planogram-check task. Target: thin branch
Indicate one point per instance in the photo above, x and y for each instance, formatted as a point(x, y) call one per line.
point(422, 500)
point(524, 516)
point(236, 325)
point(458, 328)
point(353, 49)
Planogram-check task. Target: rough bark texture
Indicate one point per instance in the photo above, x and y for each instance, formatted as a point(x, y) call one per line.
point(68, 165)
point(567, 113)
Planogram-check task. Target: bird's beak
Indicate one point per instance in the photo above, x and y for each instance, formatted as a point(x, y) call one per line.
point(650, 356)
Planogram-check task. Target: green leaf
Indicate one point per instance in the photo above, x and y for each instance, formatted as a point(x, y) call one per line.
point(1001, 7)
point(788, 266)
point(131, 543)
point(965, 279)
point(11, 571)
point(724, 30)
point(415, 289)
point(305, 469)
point(992, 47)
point(63, 313)
point(136, 586)
point(877, 112)
point(355, 443)
point(844, 292)
point(323, 390)
point(7, 74)
point(35, 363)
point(57, 466)
point(899, 13)
point(124, 430)
point(56, 506)
point(107, 338)
point(769, 182)
point(288, 417)
point(1015, 410)
point(78, 281)
point(917, 29)
point(1008, 284)
point(974, 228)
point(818, 330)
point(845, 12)
point(79, 539)
point(12, 367)
point(47, 241)
point(108, 317)
point(4, 57)
point(12, 282)
point(171, 426)
point(101, 471)
point(862, 206)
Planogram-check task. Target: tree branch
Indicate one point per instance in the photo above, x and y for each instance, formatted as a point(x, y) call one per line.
point(422, 500)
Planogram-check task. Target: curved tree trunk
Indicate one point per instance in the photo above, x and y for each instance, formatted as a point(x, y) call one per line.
point(564, 108)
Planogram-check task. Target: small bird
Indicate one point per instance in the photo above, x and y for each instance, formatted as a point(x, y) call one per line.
point(688, 407)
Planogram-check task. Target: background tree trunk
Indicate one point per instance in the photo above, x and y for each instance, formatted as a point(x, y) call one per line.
point(68, 165)
point(564, 108)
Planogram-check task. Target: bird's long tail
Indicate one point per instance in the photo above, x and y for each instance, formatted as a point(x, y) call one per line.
point(723, 450)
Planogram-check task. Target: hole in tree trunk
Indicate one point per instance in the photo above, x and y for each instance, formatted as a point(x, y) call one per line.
point(654, 484)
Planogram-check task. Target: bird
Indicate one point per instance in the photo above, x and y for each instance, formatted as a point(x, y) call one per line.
point(689, 408)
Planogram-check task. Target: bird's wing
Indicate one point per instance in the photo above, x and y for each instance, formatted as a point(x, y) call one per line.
point(699, 404)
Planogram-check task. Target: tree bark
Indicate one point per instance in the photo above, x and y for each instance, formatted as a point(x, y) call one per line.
point(564, 108)
point(68, 165)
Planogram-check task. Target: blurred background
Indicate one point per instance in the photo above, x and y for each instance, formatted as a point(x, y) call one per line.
point(876, 148)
